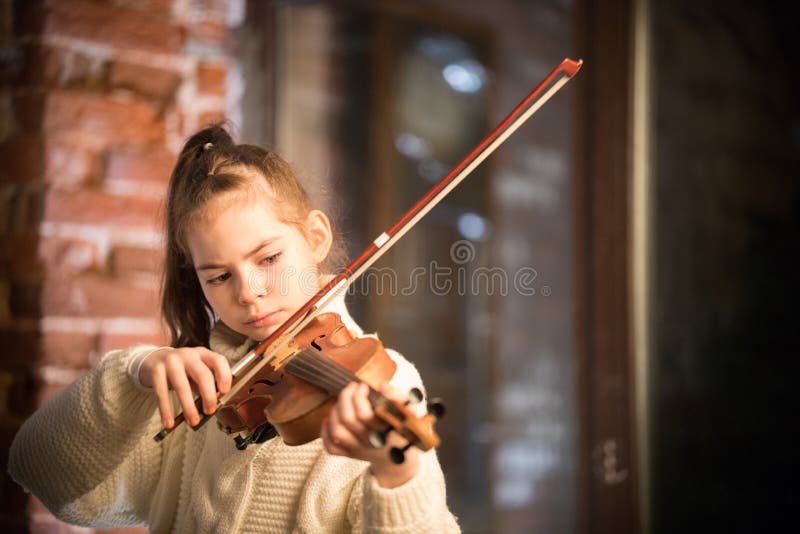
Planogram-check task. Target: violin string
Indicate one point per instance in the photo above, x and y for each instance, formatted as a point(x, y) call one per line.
point(324, 372)
point(321, 371)
point(328, 367)
point(313, 375)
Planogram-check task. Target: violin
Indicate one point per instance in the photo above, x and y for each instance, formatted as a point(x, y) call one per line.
point(289, 381)
point(297, 389)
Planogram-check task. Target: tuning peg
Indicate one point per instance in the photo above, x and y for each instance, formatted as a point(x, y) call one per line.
point(377, 438)
point(436, 408)
point(241, 443)
point(414, 396)
point(398, 455)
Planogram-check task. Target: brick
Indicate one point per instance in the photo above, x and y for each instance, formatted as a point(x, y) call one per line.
point(70, 165)
point(71, 350)
point(155, 7)
point(211, 78)
point(127, 260)
point(97, 120)
point(70, 69)
point(95, 295)
point(148, 81)
point(89, 206)
point(39, 65)
point(109, 342)
point(22, 158)
point(47, 392)
point(116, 26)
point(211, 117)
point(153, 165)
point(214, 8)
point(211, 30)
point(67, 255)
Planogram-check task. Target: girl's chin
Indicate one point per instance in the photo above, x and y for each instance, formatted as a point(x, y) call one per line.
point(263, 332)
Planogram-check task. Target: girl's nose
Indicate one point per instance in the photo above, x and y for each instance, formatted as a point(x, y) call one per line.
point(253, 285)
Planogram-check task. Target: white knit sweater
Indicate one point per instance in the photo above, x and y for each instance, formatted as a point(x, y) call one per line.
point(90, 457)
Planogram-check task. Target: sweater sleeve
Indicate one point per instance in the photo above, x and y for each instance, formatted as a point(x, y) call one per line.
point(88, 453)
point(419, 505)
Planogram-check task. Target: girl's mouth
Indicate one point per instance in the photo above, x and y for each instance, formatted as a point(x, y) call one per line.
point(266, 319)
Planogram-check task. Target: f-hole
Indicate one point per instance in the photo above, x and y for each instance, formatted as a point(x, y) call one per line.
point(265, 382)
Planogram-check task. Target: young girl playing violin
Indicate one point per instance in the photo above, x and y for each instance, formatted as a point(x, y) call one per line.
point(244, 251)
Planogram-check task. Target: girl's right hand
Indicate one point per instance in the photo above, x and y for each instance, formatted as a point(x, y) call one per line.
point(186, 370)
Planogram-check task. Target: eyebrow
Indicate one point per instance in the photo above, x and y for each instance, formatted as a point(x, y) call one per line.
point(210, 266)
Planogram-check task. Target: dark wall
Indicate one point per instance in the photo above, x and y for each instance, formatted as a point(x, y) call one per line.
point(725, 353)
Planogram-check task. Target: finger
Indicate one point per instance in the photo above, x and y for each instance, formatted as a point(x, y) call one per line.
point(339, 432)
point(203, 378)
point(161, 389)
point(347, 410)
point(176, 373)
point(221, 368)
point(328, 441)
point(363, 409)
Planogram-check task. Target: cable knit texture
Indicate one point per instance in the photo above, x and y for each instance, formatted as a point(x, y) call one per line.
point(90, 457)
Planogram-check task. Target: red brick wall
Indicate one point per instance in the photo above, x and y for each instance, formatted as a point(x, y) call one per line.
point(96, 98)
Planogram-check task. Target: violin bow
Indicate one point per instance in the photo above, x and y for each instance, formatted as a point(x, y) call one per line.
point(249, 365)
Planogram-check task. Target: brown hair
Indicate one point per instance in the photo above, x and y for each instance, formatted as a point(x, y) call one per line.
point(210, 165)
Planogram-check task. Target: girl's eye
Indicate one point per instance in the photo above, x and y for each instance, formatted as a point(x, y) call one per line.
point(269, 260)
point(219, 279)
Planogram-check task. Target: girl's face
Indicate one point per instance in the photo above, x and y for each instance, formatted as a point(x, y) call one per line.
point(256, 270)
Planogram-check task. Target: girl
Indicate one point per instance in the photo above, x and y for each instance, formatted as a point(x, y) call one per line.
point(235, 214)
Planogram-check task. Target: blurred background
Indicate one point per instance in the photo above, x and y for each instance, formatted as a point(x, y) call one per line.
point(612, 327)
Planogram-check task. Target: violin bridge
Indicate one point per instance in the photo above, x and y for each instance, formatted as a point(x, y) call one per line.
point(285, 352)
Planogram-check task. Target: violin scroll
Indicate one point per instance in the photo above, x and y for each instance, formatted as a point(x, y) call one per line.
point(417, 431)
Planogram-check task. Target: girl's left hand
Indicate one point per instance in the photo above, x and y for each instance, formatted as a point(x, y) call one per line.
point(345, 432)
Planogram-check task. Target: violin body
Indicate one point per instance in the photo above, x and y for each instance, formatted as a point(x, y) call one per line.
point(294, 406)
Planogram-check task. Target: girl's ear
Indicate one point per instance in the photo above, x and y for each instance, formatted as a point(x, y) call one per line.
point(319, 235)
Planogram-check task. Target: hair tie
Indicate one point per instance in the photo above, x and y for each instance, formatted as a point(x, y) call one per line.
point(208, 146)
